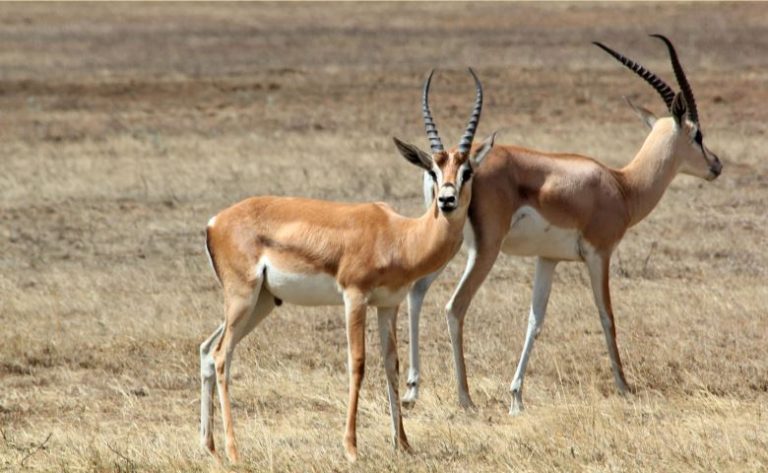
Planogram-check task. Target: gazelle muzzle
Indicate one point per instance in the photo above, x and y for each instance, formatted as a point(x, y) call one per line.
point(715, 168)
point(447, 198)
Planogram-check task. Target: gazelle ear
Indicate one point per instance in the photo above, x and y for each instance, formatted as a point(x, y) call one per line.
point(679, 108)
point(413, 154)
point(484, 149)
point(645, 115)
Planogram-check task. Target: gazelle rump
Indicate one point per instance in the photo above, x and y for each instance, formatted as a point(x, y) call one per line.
point(266, 250)
point(566, 207)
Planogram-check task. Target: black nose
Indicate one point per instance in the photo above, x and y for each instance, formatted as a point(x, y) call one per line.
point(716, 168)
point(446, 201)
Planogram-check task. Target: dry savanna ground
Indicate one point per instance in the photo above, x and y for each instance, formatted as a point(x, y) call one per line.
point(124, 127)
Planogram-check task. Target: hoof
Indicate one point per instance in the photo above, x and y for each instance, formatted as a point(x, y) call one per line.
point(467, 405)
point(351, 453)
point(234, 457)
point(409, 400)
point(350, 448)
point(404, 447)
point(212, 453)
point(626, 389)
point(208, 445)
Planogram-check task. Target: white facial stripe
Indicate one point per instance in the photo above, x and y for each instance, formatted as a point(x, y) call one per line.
point(438, 174)
point(428, 189)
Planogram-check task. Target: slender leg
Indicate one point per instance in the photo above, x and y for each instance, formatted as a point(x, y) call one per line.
point(542, 285)
point(481, 256)
point(415, 301)
point(354, 304)
point(243, 314)
point(207, 379)
point(388, 334)
point(599, 265)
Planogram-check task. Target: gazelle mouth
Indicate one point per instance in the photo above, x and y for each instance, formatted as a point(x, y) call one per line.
point(447, 208)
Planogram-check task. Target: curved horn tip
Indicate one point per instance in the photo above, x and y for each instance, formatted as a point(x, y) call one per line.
point(474, 75)
point(607, 49)
point(665, 39)
point(682, 80)
point(429, 78)
point(660, 36)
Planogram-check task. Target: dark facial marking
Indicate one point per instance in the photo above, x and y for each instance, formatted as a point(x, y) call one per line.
point(698, 138)
point(440, 158)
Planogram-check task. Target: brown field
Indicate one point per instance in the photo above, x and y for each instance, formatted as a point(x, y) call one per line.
point(125, 127)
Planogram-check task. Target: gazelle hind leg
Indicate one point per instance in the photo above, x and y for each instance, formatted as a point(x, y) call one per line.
point(599, 266)
point(542, 285)
point(415, 301)
point(388, 335)
point(355, 308)
point(207, 380)
point(243, 313)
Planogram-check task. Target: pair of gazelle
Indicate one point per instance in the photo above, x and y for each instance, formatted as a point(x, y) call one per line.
point(266, 250)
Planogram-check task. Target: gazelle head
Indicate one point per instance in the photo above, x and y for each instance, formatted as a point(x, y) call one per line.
point(693, 156)
point(450, 172)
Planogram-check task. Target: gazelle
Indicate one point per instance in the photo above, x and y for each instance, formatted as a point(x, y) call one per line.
point(565, 207)
point(266, 250)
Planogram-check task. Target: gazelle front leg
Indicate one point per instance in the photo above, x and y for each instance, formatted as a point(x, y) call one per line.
point(542, 285)
point(355, 307)
point(599, 266)
point(481, 255)
point(388, 335)
point(415, 301)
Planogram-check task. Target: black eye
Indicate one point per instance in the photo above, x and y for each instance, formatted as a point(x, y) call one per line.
point(432, 175)
point(466, 175)
point(698, 138)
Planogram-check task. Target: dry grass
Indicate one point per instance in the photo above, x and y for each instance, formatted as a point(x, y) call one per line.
point(124, 128)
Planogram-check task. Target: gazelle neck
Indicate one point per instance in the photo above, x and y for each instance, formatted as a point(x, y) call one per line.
point(432, 239)
point(651, 171)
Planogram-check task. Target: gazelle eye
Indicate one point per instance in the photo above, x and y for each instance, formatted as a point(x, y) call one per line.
point(432, 175)
point(466, 175)
point(698, 138)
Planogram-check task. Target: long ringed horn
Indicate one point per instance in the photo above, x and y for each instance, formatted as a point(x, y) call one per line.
point(474, 119)
point(656, 82)
point(685, 87)
point(429, 124)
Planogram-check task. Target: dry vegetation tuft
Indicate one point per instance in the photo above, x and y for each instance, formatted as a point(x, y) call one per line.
point(124, 127)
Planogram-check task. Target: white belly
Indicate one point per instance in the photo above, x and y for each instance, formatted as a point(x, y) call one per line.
point(303, 289)
point(530, 234)
point(321, 289)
